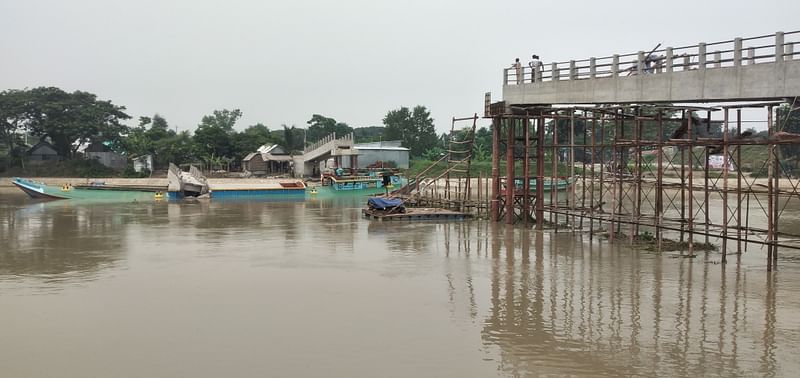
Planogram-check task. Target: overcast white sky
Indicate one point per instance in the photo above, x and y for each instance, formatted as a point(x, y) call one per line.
point(353, 60)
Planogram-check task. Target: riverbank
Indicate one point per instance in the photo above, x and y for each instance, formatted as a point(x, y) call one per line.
point(160, 181)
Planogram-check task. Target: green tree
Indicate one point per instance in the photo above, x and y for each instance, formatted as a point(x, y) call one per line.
point(136, 143)
point(70, 119)
point(368, 134)
point(178, 149)
point(483, 144)
point(156, 140)
point(291, 138)
point(13, 119)
point(321, 126)
point(213, 136)
point(250, 140)
point(159, 129)
point(415, 128)
point(788, 120)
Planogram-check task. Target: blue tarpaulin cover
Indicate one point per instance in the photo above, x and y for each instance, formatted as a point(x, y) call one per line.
point(384, 203)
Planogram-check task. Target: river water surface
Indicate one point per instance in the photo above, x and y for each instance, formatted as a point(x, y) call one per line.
point(312, 289)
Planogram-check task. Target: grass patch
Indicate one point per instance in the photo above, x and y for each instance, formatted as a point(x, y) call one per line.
point(649, 242)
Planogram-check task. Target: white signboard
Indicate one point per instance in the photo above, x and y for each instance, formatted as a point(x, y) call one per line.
point(718, 162)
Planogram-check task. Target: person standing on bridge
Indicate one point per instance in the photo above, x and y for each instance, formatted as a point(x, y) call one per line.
point(537, 67)
point(517, 66)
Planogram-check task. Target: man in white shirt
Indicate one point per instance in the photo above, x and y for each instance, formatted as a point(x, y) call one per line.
point(536, 68)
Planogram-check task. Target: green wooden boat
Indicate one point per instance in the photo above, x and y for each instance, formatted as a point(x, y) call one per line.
point(41, 190)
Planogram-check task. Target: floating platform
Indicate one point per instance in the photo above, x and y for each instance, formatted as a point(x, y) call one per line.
point(415, 214)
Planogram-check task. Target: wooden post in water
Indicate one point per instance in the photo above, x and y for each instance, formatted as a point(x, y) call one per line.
point(739, 188)
point(526, 172)
point(540, 173)
point(554, 173)
point(725, 166)
point(510, 171)
point(571, 180)
point(494, 204)
point(691, 185)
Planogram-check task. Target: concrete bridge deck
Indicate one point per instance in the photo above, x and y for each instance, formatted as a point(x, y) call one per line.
point(756, 68)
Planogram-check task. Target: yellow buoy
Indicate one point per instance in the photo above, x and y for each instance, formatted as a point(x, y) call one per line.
point(313, 191)
point(159, 196)
point(66, 187)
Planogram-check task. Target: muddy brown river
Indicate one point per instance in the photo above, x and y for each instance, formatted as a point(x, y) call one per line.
point(309, 288)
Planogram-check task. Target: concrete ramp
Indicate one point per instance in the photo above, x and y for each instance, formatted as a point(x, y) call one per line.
point(324, 149)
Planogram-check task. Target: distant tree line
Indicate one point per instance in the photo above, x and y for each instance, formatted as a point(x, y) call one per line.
point(68, 120)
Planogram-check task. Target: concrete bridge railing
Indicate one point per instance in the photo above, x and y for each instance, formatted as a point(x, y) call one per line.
point(326, 145)
point(741, 69)
point(771, 48)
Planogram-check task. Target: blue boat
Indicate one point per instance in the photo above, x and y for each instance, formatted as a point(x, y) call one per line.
point(549, 184)
point(348, 183)
point(258, 191)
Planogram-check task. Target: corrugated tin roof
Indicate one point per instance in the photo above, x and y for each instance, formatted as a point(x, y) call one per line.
point(384, 143)
point(268, 157)
point(384, 148)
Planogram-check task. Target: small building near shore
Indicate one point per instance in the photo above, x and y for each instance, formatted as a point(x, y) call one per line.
point(385, 154)
point(268, 160)
point(42, 153)
point(104, 155)
point(141, 163)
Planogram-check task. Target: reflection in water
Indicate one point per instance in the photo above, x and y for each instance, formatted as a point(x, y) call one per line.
point(57, 241)
point(530, 303)
point(564, 305)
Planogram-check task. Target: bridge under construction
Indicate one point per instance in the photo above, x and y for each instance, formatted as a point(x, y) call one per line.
point(696, 145)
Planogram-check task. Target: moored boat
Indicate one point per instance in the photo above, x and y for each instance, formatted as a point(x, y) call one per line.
point(40, 190)
point(349, 183)
point(255, 191)
point(549, 184)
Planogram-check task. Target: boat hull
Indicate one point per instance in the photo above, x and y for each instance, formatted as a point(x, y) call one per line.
point(38, 190)
point(259, 191)
point(345, 184)
point(549, 185)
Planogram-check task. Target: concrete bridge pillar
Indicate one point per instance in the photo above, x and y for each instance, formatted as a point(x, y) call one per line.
point(668, 58)
point(737, 52)
point(779, 47)
point(751, 56)
point(615, 65)
point(573, 72)
point(640, 66)
point(701, 56)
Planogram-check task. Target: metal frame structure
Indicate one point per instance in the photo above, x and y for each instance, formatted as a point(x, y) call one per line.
point(643, 171)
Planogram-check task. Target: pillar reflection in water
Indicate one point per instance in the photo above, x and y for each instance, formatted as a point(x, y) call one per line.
point(565, 305)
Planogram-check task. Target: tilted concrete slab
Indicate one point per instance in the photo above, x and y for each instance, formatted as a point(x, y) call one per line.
point(764, 81)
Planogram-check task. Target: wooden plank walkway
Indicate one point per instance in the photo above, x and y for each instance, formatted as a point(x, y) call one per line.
point(416, 214)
